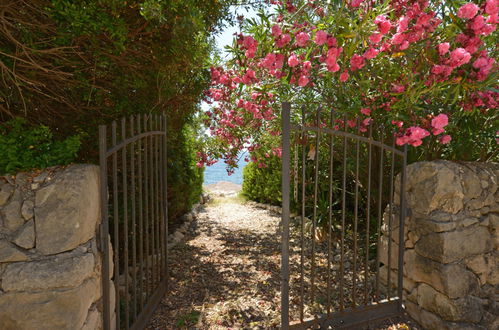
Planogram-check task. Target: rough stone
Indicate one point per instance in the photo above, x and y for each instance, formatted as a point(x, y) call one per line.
point(27, 209)
point(479, 266)
point(67, 210)
point(450, 310)
point(93, 321)
point(448, 246)
point(452, 279)
point(5, 192)
point(48, 274)
point(428, 191)
point(48, 310)
point(471, 184)
point(9, 253)
point(40, 178)
point(26, 236)
point(12, 218)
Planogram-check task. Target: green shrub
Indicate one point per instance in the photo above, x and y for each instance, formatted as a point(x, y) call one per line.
point(23, 147)
point(263, 184)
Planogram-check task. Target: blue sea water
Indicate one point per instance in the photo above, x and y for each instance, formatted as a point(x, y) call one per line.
point(217, 172)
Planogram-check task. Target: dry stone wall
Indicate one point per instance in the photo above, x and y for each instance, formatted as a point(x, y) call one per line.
point(49, 262)
point(451, 265)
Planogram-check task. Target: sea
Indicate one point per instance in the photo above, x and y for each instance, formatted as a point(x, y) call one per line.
point(217, 172)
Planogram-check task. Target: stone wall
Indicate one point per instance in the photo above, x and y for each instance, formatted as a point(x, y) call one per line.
point(49, 263)
point(451, 265)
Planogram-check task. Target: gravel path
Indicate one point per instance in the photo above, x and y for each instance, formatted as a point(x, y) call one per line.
point(225, 273)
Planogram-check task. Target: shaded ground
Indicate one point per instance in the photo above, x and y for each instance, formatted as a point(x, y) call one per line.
point(226, 273)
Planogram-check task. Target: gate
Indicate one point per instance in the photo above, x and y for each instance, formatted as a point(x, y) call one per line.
point(341, 183)
point(134, 217)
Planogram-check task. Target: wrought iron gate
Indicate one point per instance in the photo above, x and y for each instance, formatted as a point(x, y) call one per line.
point(341, 182)
point(133, 187)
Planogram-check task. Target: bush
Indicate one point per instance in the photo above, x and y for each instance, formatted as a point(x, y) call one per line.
point(23, 147)
point(263, 184)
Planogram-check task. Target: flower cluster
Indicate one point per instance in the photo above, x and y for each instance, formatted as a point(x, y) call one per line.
point(402, 64)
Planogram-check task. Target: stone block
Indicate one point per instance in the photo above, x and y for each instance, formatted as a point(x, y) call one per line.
point(434, 186)
point(27, 209)
point(62, 310)
point(452, 279)
point(467, 309)
point(448, 247)
point(25, 238)
point(49, 274)
point(93, 321)
point(6, 191)
point(12, 218)
point(67, 211)
point(8, 253)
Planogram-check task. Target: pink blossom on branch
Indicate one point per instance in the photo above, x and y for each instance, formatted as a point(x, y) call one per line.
point(468, 11)
point(320, 38)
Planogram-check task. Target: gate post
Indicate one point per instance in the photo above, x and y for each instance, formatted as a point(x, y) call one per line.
point(104, 229)
point(286, 109)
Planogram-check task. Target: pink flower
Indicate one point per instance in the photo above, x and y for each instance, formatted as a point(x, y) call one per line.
point(344, 76)
point(365, 111)
point(398, 88)
point(398, 38)
point(459, 57)
point(320, 38)
point(491, 7)
point(357, 62)
point(443, 48)
point(440, 121)
point(276, 31)
point(355, 3)
point(303, 81)
point(293, 61)
point(444, 139)
point(371, 53)
point(384, 25)
point(375, 37)
point(467, 11)
point(283, 40)
point(301, 39)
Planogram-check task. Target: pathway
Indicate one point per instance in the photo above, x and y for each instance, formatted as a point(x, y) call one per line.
point(225, 273)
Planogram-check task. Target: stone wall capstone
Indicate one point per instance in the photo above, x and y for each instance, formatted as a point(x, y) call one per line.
point(451, 235)
point(50, 267)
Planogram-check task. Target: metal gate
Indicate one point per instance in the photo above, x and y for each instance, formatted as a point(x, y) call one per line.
point(341, 184)
point(134, 219)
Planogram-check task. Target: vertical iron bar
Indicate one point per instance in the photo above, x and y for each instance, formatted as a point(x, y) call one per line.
point(285, 216)
point(141, 216)
point(343, 210)
point(390, 220)
point(116, 228)
point(146, 209)
point(161, 201)
point(151, 204)
point(380, 214)
point(302, 236)
point(401, 229)
point(104, 230)
point(316, 191)
point(355, 219)
point(368, 216)
point(165, 165)
point(157, 200)
point(330, 218)
point(124, 177)
point(134, 219)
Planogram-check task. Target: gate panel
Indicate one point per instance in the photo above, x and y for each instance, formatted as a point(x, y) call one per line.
point(337, 271)
point(134, 188)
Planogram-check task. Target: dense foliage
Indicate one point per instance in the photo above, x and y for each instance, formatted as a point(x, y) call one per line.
point(425, 69)
point(23, 148)
point(72, 65)
point(263, 184)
